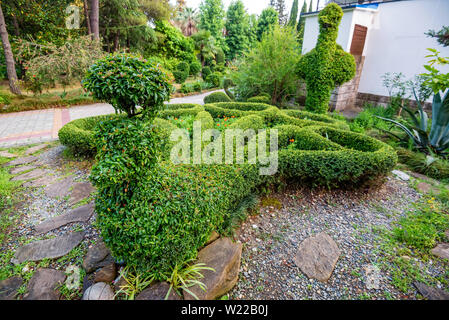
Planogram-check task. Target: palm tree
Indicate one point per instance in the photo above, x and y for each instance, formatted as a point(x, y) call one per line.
point(205, 46)
point(187, 20)
point(10, 64)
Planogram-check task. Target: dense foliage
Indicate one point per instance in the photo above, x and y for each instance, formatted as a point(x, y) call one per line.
point(237, 30)
point(327, 65)
point(128, 82)
point(217, 97)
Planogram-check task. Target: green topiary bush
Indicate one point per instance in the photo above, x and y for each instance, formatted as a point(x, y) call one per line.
point(327, 65)
point(214, 79)
point(195, 68)
point(182, 72)
point(205, 72)
point(127, 81)
point(217, 97)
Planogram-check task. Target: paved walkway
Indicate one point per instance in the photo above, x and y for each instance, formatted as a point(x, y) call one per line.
point(29, 127)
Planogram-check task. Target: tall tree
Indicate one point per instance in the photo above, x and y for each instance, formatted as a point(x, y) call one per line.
point(280, 8)
point(87, 16)
point(9, 57)
point(294, 14)
point(212, 18)
point(95, 19)
point(267, 20)
point(236, 28)
point(310, 6)
point(187, 21)
point(302, 24)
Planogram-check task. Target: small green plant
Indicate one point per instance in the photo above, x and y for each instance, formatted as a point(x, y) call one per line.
point(135, 282)
point(186, 276)
point(182, 72)
point(205, 72)
point(214, 79)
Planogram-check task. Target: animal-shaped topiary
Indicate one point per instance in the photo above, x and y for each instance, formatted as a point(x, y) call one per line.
point(327, 65)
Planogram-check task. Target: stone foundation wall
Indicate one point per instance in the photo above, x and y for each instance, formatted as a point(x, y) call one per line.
point(368, 98)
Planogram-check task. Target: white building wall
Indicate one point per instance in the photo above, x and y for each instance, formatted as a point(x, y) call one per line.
point(395, 41)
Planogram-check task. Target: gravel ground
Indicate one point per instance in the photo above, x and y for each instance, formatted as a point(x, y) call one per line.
point(271, 241)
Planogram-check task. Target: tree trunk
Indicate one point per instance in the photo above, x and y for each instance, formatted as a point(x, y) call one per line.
point(86, 14)
point(94, 19)
point(10, 64)
point(117, 41)
point(317, 5)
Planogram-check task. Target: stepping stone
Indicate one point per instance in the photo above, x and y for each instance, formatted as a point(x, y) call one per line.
point(401, 175)
point(224, 257)
point(158, 291)
point(6, 154)
point(99, 291)
point(431, 293)
point(423, 177)
point(42, 181)
point(51, 248)
point(20, 161)
point(441, 251)
point(81, 191)
point(317, 257)
point(17, 170)
point(106, 274)
point(9, 287)
point(81, 214)
point(44, 284)
point(35, 149)
point(426, 188)
point(97, 257)
point(37, 173)
point(59, 189)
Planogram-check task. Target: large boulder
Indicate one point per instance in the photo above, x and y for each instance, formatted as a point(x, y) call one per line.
point(97, 257)
point(44, 285)
point(106, 274)
point(99, 291)
point(224, 257)
point(317, 257)
point(158, 291)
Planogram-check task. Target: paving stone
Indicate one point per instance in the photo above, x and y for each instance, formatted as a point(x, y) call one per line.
point(51, 248)
point(36, 173)
point(441, 251)
point(431, 293)
point(224, 257)
point(43, 285)
point(401, 175)
point(99, 291)
point(423, 177)
point(81, 191)
point(17, 170)
point(97, 256)
point(158, 291)
point(20, 161)
point(9, 287)
point(81, 214)
point(426, 188)
point(6, 154)
point(35, 149)
point(317, 257)
point(42, 181)
point(59, 189)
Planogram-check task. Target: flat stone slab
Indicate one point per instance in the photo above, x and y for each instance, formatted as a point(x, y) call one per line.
point(81, 214)
point(6, 154)
point(441, 251)
point(43, 285)
point(158, 291)
point(9, 287)
point(81, 190)
point(42, 181)
point(35, 149)
point(36, 173)
point(401, 175)
point(224, 257)
point(59, 189)
point(317, 257)
point(51, 248)
point(20, 161)
point(17, 170)
point(431, 293)
point(425, 188)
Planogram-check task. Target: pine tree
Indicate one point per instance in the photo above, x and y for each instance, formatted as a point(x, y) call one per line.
point(293, 14)
point(310, 6)
point(302, 24)
point(267, 20)
point(237, 26)
point(280, 8)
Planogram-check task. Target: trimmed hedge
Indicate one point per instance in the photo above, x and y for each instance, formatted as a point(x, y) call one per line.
point(217, 97)
point(180, 110)
point(260, 99)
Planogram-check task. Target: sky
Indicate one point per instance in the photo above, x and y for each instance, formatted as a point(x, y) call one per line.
point(253, 6)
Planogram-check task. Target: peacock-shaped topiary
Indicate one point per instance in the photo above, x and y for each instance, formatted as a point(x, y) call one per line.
point(327, 65)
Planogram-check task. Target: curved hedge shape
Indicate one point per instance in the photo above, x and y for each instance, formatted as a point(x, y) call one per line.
point(217, 97)
point(180, 110)
point(260, 99)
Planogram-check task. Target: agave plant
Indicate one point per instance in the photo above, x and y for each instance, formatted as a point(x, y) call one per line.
point(437, 140)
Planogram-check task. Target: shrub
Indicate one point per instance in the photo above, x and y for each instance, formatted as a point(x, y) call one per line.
point(260, 99)
point(182, 72)
point(195, 68)
point(180, 110)
point(205, 72)
point(327, 65)
point(214, 79)
point(216, 97)
point(197, 86)
point(126, 81)
point(418, 162)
